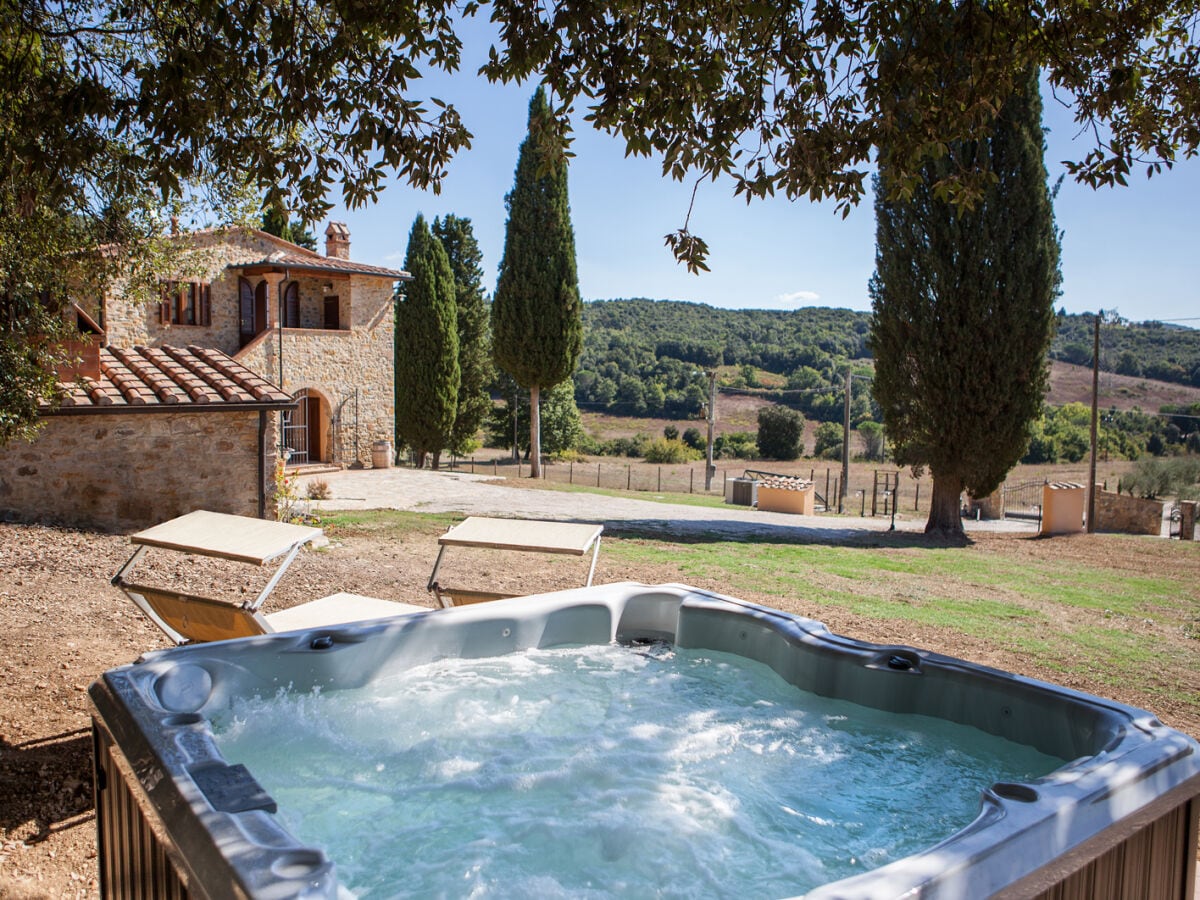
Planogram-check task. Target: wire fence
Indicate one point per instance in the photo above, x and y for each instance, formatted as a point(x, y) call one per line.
point(871, 491)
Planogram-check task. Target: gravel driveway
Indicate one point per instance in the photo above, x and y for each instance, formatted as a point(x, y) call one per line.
point(426, 491)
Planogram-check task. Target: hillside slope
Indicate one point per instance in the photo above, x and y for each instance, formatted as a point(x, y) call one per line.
point(1073, 384)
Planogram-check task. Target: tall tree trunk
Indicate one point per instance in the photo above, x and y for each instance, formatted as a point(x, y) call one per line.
point(437, 458)
point(535, 432)
point(945, 509)
point(419, 459)
point(516, 417)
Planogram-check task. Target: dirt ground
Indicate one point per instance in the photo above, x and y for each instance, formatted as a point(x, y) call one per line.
point(62, 625)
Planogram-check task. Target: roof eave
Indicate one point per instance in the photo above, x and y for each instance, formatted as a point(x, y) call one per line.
point(144, 408)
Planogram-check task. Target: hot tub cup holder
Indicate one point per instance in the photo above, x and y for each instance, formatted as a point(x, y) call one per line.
point(897, 659)
point(183, 720)
point(1008, 790)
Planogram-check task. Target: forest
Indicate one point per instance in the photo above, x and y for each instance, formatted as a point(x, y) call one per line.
point(650, 358)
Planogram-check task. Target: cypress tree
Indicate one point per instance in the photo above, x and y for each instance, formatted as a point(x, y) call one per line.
point(537, 329)
point(963, 310)
point(275, 221)
point(474, 336)
point(427, 376)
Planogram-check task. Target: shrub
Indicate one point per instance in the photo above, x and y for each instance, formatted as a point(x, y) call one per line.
point(318, 490)
point(828, 443)
point(780, 433)
point(669, 452)
point(285, 493)
point(735, 445)
point(873, 441)
point(633, 447)
point(694, 439)
point(1155, 478)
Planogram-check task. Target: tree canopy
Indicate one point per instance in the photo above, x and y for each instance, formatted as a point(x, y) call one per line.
point(536, 328)
point(116, 115)
point(275, 221)
point(797, 98)
point(427, 373)
point(474, 337)
point(963, 304)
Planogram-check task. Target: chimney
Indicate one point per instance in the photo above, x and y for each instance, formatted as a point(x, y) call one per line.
point(337, 240)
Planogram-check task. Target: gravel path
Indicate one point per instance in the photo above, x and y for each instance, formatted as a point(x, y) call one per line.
point(427, 491)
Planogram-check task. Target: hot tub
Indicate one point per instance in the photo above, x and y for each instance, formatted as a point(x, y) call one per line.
point(176, 819)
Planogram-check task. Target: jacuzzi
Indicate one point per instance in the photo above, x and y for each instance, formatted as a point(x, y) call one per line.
point(175, 819)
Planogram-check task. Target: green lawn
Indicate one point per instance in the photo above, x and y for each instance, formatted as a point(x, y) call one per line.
point(1114, 615)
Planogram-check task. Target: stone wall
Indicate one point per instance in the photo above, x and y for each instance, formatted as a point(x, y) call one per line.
point(336, 364)
point(331, 364)
point(126, 471)
point(1128, 515)
point(202, 257)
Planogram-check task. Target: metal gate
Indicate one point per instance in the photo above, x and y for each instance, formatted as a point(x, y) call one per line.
point(1023, 500)
point(295, 430)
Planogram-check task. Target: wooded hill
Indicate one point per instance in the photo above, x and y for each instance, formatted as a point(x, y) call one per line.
point(647, 357)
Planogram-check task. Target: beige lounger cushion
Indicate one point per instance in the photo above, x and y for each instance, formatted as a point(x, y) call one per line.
point(338, 609)
point(194, 617)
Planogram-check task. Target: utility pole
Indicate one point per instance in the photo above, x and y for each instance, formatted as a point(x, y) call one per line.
point(1091, 490)
point(709, 468)
point(845, 447)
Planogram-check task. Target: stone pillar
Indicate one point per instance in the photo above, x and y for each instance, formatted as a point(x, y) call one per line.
point(1187, 520)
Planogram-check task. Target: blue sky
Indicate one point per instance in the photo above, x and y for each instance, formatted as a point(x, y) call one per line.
point(1133, 249)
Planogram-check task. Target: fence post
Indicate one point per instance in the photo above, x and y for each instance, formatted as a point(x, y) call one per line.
point(598, 474)
point(495, 469)
point(917, 499)
point(571, 473)
point(826, 489)
point(691, 481)
point(660, 479)
point(874, 492)
point(628, 477)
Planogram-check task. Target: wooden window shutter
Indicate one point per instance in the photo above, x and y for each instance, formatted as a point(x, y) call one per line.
point(291, 306)
point(205, 312)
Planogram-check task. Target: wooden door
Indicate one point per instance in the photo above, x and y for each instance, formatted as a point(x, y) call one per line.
point(315, 451)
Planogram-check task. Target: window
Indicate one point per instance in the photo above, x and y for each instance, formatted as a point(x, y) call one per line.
point(291, 306)
point(186, 303)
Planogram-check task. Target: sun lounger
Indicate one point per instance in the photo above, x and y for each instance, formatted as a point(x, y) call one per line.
point(520, 535)
point(186, 617)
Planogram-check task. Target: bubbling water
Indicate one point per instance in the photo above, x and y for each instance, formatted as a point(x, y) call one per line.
point(606, 771)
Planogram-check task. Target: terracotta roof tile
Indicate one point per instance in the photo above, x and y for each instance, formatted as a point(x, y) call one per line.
point(169, 377)
point(314, 262)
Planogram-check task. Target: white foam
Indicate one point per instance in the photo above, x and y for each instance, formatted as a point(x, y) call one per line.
point(603, 771)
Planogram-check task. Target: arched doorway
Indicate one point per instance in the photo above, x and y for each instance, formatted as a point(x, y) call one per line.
point(304, 428)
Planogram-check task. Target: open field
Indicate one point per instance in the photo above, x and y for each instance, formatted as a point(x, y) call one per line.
point(684, 483)
point(1117, 616)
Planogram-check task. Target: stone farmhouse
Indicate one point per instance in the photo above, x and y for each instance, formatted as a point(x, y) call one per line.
point(320, 327)
point(144, 435)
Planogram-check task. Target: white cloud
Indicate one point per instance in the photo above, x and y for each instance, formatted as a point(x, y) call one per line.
point(795, 298)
